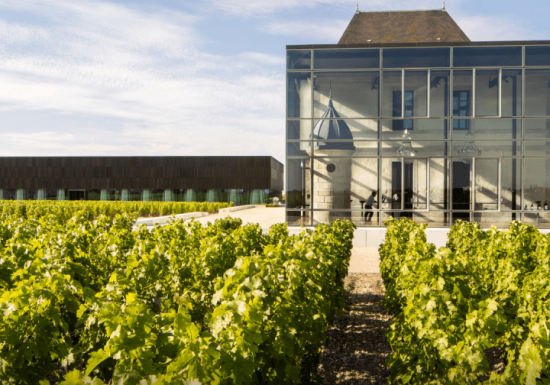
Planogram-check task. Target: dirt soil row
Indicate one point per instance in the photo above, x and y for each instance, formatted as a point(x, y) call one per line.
point(356, 349)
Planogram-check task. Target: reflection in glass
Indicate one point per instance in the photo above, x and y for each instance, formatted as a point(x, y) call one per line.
point(439, 185)
point(331, 185)
point(30, 194)
point(536, 185)
point(486, 193)
point(346, 58)
point(486, 56)
point(537, 55)
point(439, 93)
point(391, 84)
point(511, 184)
point(537, 84)
point(462, 97)
point(537, 148)
point(298, 59)
point(500, 220)
point(537, 128)
point(298, 183)
point(362, 148)
point(416, 84)
point(461, 188)
point(299, 95)
point(486, 148)
point(363, 183)
point(416, 148)
point(488, 129)
point(298, 129)
point(354, 94)
point(434, 219)
point(511, 92)
point(416, 57)
point(357, 217)
point(487, 93)
point(298, 218)
point(93, 195)
point(297, 148)
point(9, 194)
point(424, 129)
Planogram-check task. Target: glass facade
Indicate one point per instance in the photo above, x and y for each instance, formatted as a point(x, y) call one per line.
point(433, 134)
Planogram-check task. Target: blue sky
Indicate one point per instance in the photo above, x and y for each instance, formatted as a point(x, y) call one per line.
point(181, 77)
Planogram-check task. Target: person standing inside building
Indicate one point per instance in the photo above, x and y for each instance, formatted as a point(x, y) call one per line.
point(368, 206)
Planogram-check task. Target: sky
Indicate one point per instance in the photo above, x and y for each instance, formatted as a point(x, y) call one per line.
point(181, 77)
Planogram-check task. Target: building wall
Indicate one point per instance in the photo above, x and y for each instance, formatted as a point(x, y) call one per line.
point(141, 173)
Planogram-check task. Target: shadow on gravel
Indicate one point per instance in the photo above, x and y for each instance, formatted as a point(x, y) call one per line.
point(357, 349)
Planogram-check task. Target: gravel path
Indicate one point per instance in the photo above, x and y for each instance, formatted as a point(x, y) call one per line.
point(356, 349)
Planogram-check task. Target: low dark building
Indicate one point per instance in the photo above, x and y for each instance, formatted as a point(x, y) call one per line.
point(239, 179)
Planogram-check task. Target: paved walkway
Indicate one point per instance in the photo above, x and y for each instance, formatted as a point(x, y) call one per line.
point(363, 259)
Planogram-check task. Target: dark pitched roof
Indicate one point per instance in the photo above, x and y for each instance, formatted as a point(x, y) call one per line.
point(402, 27)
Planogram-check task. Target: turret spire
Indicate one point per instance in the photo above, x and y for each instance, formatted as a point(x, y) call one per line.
point(443, 4)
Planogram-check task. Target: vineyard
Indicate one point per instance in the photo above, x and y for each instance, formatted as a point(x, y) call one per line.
point(95, 302)
point(485, 295)
point(64, 210)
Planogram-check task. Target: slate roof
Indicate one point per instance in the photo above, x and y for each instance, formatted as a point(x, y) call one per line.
point(402, 27)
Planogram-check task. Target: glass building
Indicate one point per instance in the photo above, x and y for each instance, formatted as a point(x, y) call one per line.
point(440, 128)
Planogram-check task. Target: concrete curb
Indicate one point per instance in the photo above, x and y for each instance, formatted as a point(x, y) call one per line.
point(165, 220)
point(236, 208)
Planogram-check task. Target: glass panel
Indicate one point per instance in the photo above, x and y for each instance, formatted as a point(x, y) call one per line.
point(30, 194)
point(391, 194)
point(364, 187)
point(335, 129)
point(416, 57)
point(297, 148)
point(487, 129)
point(418, 129)
point(439, 93)
point(299, 129)
point(299, 95)
point(511, 92)
point(461, 188)
point(416, 184)
point(346, 148)
point(462, 95)
point(416, 93)
point(500, 220)
point(297, 183)
point(486, 56)
point(537, 148)
point(414, 148)
point(537, 84)
point(487, 93)
point(298, 59)
point(10, 194)
point(536, 185)
point(439, 184)
point(354, 94)
point(93, 195)
point(486, 194)
point(391, 85)
point(537, 55)
point(331, 184)
point(539, 219)
point(537, 128)
point(346, 58)
point(298, 218)
point(486, 148)
point(511, 184)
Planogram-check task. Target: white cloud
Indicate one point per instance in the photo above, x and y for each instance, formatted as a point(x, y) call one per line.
point(486, 28)
point(247, 8)
point(143, 69)
point(329, 31)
